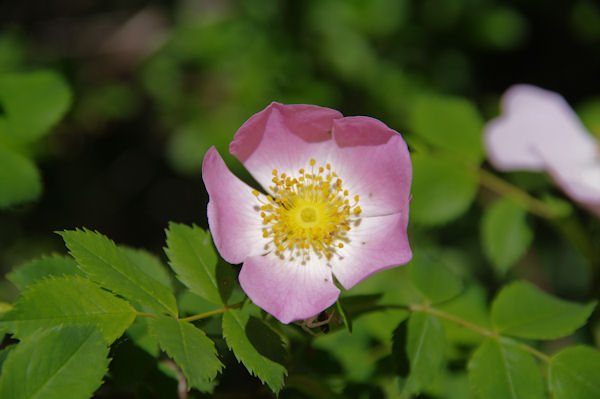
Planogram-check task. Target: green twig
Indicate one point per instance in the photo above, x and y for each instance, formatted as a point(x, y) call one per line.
point(467, 324)
point(506, 189)
point(213, 312)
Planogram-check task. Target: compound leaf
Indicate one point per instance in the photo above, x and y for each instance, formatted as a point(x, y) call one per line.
point(189, 347)
point(55, 364)
point(66, 301)
point(256, 346)
point(111, 267)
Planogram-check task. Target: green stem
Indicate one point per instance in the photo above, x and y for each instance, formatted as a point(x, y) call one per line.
point(473, 327)
point(142, 314)
point(504, 188)
point(213, 312)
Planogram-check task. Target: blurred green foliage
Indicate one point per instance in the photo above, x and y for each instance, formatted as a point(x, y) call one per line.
point(430, 69)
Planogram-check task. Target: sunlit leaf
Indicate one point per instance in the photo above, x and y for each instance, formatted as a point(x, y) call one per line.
point(37, 269)
point(523, 310)
point(499, 369)
point(109, 266)
point(65, 301)
point(149, 264)
point(55, 364)
point(256, 346)
point(193, 258)
point(574, 373)
point(189, 347)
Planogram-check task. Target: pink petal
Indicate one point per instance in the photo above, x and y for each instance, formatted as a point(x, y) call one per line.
point(374, 163)
point(233, 217)
point(580, 180)
point(288, 290)
point(378, 243)
point(536, 124)
point(283, 137)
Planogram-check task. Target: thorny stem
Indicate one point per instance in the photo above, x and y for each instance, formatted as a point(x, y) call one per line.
point(213, 312)
point(473, 327)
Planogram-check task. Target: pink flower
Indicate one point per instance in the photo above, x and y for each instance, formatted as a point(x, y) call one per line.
point(337, 205)
point(538, 131)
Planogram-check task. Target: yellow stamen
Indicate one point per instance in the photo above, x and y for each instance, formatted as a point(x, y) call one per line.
point(308, 214)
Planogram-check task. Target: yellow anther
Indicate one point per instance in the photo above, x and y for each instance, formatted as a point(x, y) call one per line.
point(309, 214)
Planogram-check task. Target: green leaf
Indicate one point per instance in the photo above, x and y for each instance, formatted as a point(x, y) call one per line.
point(425, 346)
point(68, 300)
point(256, 346)
point(433, 279)
point(37, 269)
point(450, 123)
point(19, 179)
point(55, 364)
point(149, 264)
point(505, 234)
point(193, 258)
point(443, 189)
point(574, 373)
point(109, 266)
point(523, 310)
point(189, 346)
point(345, 317)
point(499, 369)
point(32, 102)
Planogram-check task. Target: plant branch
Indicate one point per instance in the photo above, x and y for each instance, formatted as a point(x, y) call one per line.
point(213, 312)
point(506, 189)
point(471, 326)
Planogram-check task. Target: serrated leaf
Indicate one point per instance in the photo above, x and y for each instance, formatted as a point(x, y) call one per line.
point(499, 369)
point(574, 373)
point(65, 301)
point(443, 189)
point(256, 346)
point(523, 310)
point(195, 262)
point(189, 347)
point(19, 179)
point(149, 264)
point(109, 266)
point(450, 123)
point(425, 346)
point(505, 234)
point(32, 103)
point(37, 269)
point(55, 364)
point(433, 279)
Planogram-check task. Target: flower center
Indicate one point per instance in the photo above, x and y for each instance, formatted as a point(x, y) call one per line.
point(308, 213)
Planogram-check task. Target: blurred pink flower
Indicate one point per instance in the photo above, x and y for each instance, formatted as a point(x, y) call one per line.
point(337, 205)
point(538, 131)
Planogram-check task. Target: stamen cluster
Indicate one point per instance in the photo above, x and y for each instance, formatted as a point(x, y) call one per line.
point(310, 212)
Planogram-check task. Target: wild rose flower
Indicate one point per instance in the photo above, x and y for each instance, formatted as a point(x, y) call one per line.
point(337, 201)
point(538, 131)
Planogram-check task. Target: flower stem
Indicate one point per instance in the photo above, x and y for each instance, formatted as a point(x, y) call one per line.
point(506, 189)
point(213, 312)
point(473, 327)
